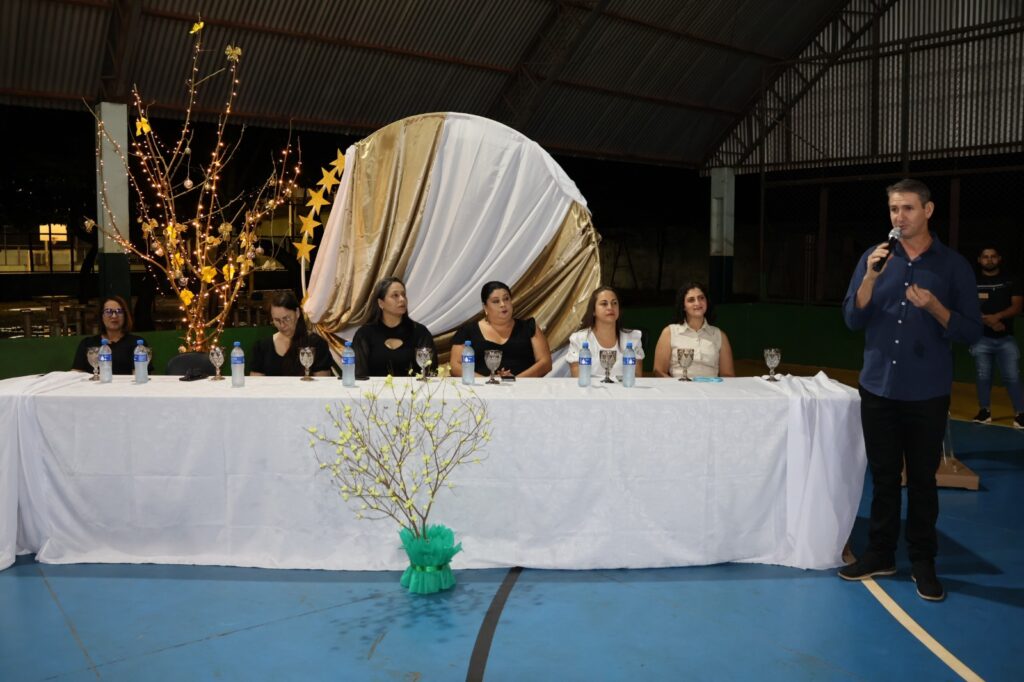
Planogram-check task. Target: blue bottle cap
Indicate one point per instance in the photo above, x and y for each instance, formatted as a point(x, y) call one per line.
point(238, 344)
point(586, 344)
point(348, 344)
point(140, 342)
point(469, 343)
point(629, 344)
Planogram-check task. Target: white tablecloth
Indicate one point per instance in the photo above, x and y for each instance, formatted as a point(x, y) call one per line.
point(663, 474)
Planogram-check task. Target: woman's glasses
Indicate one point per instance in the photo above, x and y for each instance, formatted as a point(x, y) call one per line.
point(111, 312)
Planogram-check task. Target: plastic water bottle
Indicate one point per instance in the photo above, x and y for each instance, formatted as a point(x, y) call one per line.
point(237, 365)
point(468, 364)
point(628, 365)
point(106, 362)
point(141, 358)
point(585, 364)
point(348, 365)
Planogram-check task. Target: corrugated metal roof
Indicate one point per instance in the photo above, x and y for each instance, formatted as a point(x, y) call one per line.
point(652, 80)
point(950, 82)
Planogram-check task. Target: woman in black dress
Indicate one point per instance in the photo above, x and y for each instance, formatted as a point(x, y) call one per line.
point(388, 343)
point(116, 319)
point(524, 348)
point(279, 355)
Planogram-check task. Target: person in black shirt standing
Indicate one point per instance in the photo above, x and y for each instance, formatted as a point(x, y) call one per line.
point(1001, 296)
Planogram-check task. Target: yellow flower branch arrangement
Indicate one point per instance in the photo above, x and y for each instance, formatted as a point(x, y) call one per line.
point(202, 242)
point(390, 453)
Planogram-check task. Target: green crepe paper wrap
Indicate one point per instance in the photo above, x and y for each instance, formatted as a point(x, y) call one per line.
point(430, 558)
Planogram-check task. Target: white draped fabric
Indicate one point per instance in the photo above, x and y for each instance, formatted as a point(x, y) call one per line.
point(495, 200)
point(663, 474)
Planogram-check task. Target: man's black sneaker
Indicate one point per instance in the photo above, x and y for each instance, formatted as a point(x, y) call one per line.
point(928, 585)
point(985, 417)
point(868, 566)
point(1018, 421)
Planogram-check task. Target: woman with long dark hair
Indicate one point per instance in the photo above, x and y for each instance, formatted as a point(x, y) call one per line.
point(602, 330)
point(712, 353)
point(279, 355)
point(524, 348)
point(388, 343)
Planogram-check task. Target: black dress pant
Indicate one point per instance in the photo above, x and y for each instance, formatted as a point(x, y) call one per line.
point(894, 431)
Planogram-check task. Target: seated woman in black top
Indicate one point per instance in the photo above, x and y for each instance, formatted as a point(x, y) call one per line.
point(524, 348)
point(117, 323)
point(387, 345)
point(279, 355)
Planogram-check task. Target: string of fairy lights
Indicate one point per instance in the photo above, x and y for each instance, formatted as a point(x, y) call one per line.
point(204, 258)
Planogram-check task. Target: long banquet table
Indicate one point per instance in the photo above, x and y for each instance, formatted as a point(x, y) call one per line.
point(662, 474)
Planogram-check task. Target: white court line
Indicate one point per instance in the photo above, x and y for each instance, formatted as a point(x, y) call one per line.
point(912, 626)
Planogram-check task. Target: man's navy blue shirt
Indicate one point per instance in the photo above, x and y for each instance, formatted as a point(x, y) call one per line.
point(907, 353)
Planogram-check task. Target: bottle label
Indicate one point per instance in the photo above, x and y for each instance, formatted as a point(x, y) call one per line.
point(141, 357)
point(628, 361)
point(467, 359)
point(348, 359)
point(585, 361)
point(237, 359)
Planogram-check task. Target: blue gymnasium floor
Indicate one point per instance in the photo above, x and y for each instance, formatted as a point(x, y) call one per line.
point(727, 622)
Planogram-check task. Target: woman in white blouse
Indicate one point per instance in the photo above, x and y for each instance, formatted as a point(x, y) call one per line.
point(712, 354)
point(602, 331)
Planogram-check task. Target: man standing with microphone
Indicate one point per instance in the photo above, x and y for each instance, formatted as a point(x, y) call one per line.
point(912, 300)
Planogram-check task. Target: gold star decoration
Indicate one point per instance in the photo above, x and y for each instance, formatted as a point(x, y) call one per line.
point(339, 164)
point(328, 181)
point(142, 126)
point(316, 200)
point(304, 249)
point(309, 224)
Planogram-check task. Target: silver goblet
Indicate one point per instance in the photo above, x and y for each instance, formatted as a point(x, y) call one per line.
point(92, 354)
point(217, 359)
point(492, 358)
point(424, 358)
point(684, 356)
point(772, 358)
point(607, 359)
point(306, 360)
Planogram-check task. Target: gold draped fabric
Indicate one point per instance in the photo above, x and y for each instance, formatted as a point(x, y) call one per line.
point(390, 179)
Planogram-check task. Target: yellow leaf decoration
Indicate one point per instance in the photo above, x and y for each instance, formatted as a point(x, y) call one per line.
point(328, 181)
point(186, 297)
point(233, 53)
point(212, 241)
point(229, 272)
point(90, 225)
point(309, 223)
point(142, 126)
point(208, 274)
point(316, 200)
point(176, 260)
point(197, 27)
point(303, 248)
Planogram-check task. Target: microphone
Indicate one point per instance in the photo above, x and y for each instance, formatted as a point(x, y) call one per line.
point(894, 236)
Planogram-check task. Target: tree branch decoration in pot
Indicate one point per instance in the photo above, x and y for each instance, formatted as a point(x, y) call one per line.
point(202, 239)
point(391, 453)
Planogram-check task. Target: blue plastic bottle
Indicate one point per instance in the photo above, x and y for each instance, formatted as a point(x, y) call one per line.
point(468, 364)
point(237, 365)
point(141, 359)
point(106, 362)
point(348, 365)
point(585, 365)
point(628, 365)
